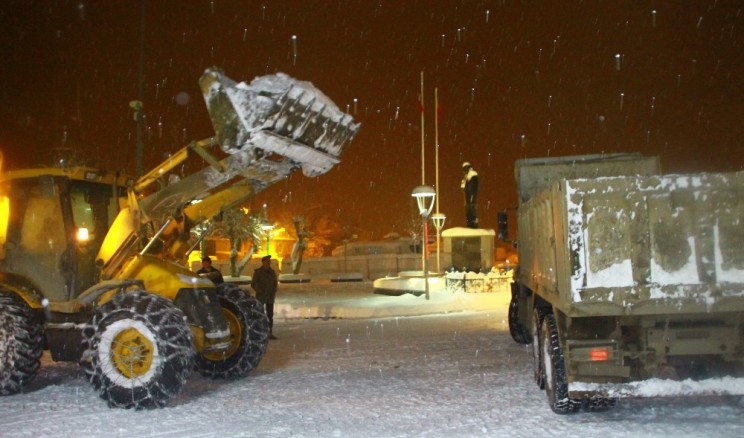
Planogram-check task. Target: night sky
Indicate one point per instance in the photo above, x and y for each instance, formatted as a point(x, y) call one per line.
point(514, 79)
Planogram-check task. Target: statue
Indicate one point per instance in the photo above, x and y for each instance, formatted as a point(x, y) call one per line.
point(469, 186)
point(300, 245)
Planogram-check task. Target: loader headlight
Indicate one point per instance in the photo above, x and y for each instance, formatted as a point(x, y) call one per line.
point(82, 235)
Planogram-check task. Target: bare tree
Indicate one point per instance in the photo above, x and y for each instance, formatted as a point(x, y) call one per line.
point(299, 247)
point(239, 227)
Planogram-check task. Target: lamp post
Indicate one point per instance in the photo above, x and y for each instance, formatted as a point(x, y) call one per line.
point(267, 227)
point(438, 219)
point(425, 201)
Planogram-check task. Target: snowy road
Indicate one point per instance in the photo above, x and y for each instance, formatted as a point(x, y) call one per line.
point(456, 374)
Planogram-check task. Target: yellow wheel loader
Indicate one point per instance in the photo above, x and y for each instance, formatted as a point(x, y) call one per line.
point(92, 263)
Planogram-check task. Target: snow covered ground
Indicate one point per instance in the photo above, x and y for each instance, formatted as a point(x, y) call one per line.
point(349, 363)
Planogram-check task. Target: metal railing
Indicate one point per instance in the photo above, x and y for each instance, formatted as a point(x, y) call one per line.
point(471, 282)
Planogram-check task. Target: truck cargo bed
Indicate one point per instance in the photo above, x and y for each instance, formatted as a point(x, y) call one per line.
point(637, 245)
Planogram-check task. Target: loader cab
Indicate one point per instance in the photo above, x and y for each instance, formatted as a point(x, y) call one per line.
point(52, 224)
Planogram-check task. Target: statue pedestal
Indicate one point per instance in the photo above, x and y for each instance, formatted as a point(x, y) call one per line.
point(471, 249)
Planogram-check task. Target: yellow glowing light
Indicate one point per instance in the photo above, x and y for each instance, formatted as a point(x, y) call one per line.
point(82, 234)
point(4, 217)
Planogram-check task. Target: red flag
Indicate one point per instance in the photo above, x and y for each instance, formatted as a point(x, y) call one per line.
point(439, 111)
point(421, 105)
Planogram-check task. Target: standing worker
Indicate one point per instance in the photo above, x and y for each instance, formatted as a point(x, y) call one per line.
point(265, 283)
point(469, 186)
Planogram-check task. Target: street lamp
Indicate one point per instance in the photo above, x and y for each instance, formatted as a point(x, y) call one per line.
point(425, 201)
point(267, 227)
point(438, 219)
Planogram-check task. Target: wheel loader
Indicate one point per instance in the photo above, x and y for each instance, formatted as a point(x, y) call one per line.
point(92, 263)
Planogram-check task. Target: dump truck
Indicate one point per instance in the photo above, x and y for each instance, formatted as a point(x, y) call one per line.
point(630, 283)
point(93, 263)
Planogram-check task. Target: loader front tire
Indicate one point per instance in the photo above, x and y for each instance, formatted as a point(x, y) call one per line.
point(138, 351)
point(21, 344)
point(249, 328)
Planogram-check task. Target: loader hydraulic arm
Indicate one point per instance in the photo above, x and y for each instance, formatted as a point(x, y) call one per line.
point(198, 147)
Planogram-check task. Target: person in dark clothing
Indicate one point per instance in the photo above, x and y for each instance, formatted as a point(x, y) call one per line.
point(210, 272)
point(469, 186)
point(264, 282)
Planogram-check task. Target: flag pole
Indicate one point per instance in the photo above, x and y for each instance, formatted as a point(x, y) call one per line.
point(436, 164)
point(436, 145)
point(423, 182)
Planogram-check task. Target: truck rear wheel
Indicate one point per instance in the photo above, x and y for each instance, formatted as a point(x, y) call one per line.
point(138, 351)
point(537, 348)
point(249, 328)
point(556, 384)
point(518, 332)
point(21, 344)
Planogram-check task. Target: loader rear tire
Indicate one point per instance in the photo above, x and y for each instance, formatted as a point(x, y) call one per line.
point(138, 351)
point(249, 327)
point(21, 344)
point(556, 384)
point(518, 332)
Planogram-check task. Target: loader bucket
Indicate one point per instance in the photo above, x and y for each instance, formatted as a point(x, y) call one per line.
point(276, 114)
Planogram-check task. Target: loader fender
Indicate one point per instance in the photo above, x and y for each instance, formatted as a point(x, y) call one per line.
point(23, 287)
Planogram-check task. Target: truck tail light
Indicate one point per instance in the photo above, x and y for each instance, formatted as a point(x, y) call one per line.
point(599, 354)
point(594, 351)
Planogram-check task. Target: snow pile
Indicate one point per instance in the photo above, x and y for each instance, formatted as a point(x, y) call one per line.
point(668, 388)
point(359, 300)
